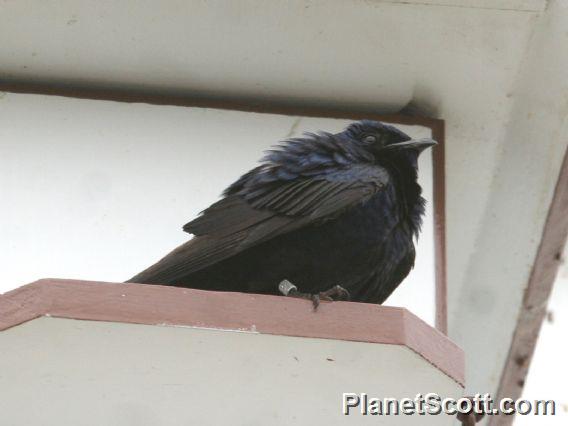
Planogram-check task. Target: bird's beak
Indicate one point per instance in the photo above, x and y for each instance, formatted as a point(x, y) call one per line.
point(418, 144)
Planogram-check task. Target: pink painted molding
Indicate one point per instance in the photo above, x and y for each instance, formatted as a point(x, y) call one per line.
point(160, 305)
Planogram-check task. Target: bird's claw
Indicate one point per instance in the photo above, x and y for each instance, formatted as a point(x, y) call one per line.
point(334, 293)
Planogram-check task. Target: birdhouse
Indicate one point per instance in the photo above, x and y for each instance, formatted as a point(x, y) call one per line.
point(120, 122)
point(129, 353)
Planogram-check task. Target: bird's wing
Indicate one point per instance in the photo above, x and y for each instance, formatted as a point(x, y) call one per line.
point(247, 218)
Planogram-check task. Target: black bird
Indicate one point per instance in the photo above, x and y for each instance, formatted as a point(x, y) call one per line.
point(325, 215)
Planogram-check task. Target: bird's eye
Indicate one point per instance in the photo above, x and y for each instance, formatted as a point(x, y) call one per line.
point(369, 139)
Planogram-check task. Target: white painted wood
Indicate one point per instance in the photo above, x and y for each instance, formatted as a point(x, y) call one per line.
point(372, 54)
point(484, 303)
point(510, 5)
point(61, 371)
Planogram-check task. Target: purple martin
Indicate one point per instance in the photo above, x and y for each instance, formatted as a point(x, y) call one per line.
point(324, 216)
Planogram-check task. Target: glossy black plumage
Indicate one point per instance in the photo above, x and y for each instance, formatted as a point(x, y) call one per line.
point(319, 211)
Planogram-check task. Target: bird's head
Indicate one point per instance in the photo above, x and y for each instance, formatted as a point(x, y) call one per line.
point(365, 141)
point(386, 142)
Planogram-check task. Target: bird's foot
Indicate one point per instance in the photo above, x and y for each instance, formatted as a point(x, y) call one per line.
point(334, 293)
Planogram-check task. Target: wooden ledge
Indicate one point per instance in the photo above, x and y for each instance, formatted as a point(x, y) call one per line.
point(161, 305)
